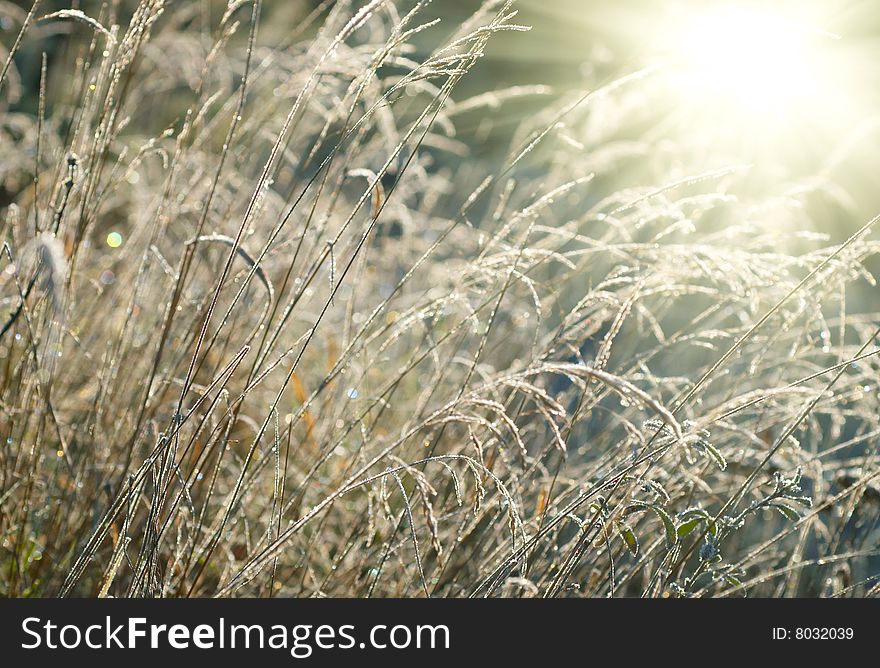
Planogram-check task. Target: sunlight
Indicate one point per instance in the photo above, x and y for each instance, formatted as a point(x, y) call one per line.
point(749, 67)
point(750, 58)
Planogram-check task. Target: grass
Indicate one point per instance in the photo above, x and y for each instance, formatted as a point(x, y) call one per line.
point(269, 328)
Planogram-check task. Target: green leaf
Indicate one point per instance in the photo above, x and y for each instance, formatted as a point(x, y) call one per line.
point(632, 543)
point(804, 501)
point(715, 454)
point(687, 527)
point(668, 524)
point(692, 513)
point(789, 513)
point(731, 580)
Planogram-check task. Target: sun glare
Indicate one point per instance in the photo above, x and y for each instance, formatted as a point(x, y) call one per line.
point(753, 59)
point(749, 69)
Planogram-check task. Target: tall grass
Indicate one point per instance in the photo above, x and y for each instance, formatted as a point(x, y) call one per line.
point(269, 330)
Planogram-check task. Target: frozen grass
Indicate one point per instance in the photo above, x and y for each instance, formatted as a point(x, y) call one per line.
point(267, 330)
